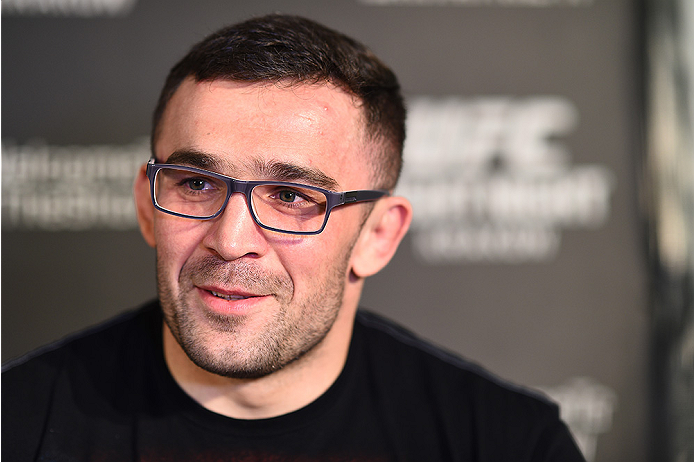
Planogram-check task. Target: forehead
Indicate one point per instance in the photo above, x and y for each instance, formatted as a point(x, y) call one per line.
point(243, 125)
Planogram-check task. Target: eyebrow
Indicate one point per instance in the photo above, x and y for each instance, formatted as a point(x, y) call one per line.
point(285, 171)
point(273, 170)
point(194, 158)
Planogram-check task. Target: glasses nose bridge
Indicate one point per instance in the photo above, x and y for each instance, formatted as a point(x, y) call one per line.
point(235, 186)
point(239, 186)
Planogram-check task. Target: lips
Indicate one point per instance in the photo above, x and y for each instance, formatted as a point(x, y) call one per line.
point(228, 294)
point(229, 301)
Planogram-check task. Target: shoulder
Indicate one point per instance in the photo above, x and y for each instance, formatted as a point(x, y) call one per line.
point(405, 350)
point(98, 353)
point(110, 334)
point(84, 371)
point(479, 411)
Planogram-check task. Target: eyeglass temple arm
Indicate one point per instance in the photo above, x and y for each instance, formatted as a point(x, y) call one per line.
point(360, 196)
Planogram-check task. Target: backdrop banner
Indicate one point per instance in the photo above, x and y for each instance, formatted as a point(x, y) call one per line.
point(526, 252)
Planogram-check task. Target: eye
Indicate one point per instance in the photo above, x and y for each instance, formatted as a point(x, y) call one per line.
point(288, 196)
point(197, 184)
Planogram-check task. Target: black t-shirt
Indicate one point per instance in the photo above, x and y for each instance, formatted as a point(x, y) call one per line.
point(107, 395)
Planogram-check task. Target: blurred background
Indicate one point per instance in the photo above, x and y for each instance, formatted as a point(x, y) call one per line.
point(549, 160)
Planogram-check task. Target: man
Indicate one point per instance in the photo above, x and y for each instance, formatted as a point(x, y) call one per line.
point(275, 146)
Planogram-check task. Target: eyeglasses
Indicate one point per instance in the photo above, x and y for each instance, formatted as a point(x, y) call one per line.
point(291, 208)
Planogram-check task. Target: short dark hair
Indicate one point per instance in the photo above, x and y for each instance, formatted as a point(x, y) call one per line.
point(290, 49)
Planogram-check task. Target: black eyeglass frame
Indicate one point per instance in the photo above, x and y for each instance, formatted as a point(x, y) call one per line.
point(334, 199)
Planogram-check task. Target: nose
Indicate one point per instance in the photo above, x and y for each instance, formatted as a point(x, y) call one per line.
point(234, 234)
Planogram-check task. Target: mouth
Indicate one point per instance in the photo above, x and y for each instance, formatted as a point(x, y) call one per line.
point(230, 295)
point(232, 301)
point(227, 296)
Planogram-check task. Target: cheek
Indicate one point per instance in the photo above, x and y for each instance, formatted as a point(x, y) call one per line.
point(316, 258)
point(175, 242)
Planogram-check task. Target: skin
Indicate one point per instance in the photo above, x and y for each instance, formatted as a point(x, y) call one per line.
point(282, 338)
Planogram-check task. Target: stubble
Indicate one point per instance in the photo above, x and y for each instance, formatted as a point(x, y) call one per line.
point(226, 345)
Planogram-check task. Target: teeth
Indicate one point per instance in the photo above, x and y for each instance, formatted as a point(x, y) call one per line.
point(227, 297)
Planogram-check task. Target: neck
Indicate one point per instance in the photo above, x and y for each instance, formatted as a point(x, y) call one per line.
point(288, 389)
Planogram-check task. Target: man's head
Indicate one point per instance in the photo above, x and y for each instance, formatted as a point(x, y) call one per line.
point(290, 50)
point(242, 300)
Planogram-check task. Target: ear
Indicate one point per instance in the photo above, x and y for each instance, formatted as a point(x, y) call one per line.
point(381, 235)
point(144, 206)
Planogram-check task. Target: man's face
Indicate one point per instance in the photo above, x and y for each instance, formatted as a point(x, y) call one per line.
point(243, 301)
